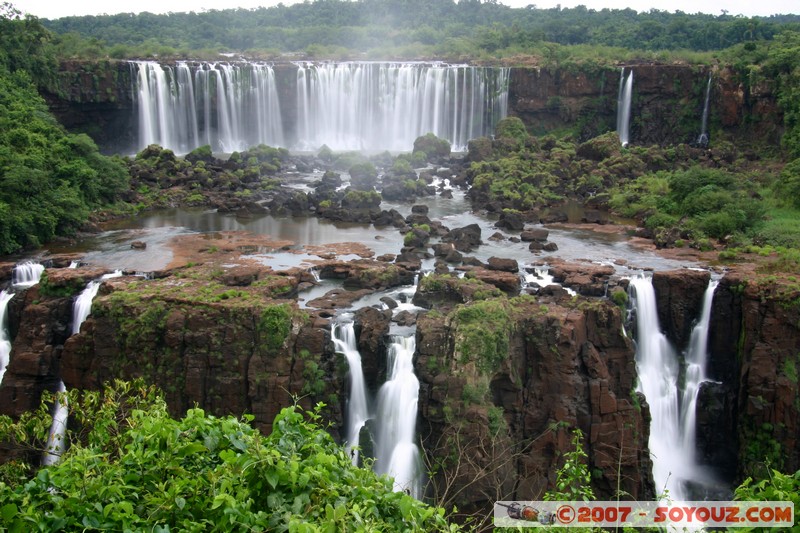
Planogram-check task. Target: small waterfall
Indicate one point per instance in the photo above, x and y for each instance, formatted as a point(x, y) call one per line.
point(658, 370)
point(702, 139)
point(344, 340)
point(5, 342)
point(695, 375)
point(80, 311)
point(624, 106)
point(55, 441)
point(396, 453)
point(26, 274)
point(673, 426)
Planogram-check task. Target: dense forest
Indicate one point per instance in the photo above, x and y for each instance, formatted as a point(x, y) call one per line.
point(411, 29)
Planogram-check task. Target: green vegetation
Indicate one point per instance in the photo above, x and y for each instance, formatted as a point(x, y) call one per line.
point(482, 331)
point(775, 486)
point(129, 466)
point(337, 29)
point(49, 180)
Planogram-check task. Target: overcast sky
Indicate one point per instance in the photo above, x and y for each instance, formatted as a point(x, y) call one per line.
point(63, 8)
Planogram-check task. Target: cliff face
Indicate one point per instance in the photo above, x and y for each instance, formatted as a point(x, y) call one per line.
point(503, 385)
point(667, 103)
point(502, 382)
point(753, 413)
point(666, 108)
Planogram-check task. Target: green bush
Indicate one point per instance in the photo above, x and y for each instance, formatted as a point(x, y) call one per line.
point(130, 466)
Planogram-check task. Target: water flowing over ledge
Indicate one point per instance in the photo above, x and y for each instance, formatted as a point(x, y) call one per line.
point(347, 106)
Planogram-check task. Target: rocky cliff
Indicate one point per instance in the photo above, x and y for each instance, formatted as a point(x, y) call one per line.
point(98, 98)
point(504, 379)
point(504, 382)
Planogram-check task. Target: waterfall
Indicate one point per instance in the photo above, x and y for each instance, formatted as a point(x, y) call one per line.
point(55, 441)
point(344, 340)
point(5, 342)
point(624, 106)
point(347, 106)
point(386, 106)
point(702, 139)
point(673, 413)
point(80, 311)
point(396, 453)
point(657, 367)
point(227, 106)
point(26, 274)
point(695, 374)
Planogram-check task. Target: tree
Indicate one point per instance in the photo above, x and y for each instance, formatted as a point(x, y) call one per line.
point(131, 466)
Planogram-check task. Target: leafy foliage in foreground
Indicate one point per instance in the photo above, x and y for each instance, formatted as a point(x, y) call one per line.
point(131, 467)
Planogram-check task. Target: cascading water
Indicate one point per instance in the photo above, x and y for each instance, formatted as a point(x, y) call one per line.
point(348, 106)
point(80, 311)
point(227, 106)
point(624, 106)
point(26, 274)
point(396, 452)
point(657, 367)
point(695, 373)
point(5, 342)
point(381, 106)
point(344, 340)
point(672, 430)
point(702, 139)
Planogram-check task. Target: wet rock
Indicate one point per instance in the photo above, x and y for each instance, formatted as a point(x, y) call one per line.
point(464, 239)
point(507, 282)
point(138, 245)
point(510, 220)
point(534, 235)
point(389, 302)
point(504, 265)
point(405, 318)
point(497, 236)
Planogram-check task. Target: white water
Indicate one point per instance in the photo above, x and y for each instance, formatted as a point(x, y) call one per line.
point(55, 441)
point(348, 106)
point(5, 342)
point(26, 274)
point(227, 106)
point(396, 453)
point(702, 139)
point(657, 367)
point(80, 311)
point(624, 106)
point(386, 106)
point(695, 373)
point(344, 340)
point(672, 430)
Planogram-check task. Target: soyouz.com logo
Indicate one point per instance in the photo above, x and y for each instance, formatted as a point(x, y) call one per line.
point(635, 514)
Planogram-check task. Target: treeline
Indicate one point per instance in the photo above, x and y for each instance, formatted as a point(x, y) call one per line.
point(49, 180)
point(408, 27)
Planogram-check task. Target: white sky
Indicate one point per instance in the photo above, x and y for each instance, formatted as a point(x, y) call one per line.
point(62, 8)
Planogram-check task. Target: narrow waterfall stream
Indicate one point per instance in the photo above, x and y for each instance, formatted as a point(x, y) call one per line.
point(695, 374)
point(396, 452)
point(80, 311)
point(5, 342)
point(672, 430)
point(702, 139)
point(624, 106)
point(344, 340)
